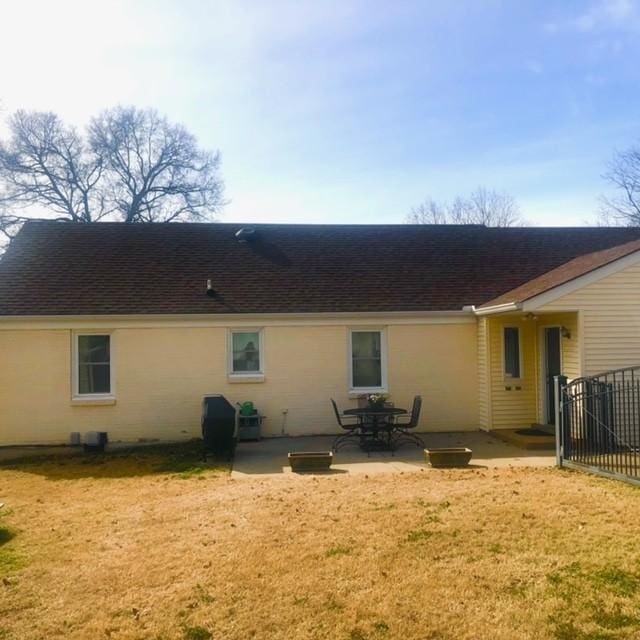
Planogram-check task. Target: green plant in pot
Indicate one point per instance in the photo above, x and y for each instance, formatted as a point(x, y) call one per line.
point(377, 400)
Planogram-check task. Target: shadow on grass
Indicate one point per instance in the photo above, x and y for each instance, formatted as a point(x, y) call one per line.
point(182, 459)
point(6, 535)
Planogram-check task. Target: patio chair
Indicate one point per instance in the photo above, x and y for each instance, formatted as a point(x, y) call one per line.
point(352, 428)
point(402, 430)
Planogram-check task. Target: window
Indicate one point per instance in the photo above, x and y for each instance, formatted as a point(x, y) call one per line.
point(511, 352)
point(246, 352)
point(93, 365)
point(368, 360)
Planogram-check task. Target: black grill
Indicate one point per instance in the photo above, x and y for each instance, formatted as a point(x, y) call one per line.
point(218, 426)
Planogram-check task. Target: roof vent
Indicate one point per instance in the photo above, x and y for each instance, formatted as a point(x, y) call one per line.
point(246, 234)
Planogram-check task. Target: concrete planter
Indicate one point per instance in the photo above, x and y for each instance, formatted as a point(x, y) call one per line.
point(311, 461)
point(448, 457)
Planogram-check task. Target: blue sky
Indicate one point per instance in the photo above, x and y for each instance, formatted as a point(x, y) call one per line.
point(343, 111)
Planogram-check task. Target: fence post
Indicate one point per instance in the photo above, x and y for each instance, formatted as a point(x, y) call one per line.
point(557, 381)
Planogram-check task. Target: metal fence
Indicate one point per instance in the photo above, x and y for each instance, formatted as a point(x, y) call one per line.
point(598, 423)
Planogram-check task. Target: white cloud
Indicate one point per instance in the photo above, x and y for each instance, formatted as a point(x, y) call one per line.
point(609, 14)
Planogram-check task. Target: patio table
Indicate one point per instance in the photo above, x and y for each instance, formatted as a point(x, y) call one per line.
point(373, 422)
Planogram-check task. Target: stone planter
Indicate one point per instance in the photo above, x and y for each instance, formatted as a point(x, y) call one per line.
point(448, 457)
point(311, 461)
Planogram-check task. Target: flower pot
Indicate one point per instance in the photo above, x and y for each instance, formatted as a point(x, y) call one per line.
point(448, 457)
point(311, 461)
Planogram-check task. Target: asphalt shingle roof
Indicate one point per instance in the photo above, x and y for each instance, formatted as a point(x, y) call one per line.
point(55, 268)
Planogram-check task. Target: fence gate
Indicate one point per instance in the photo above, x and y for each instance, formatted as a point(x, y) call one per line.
point(598, 423)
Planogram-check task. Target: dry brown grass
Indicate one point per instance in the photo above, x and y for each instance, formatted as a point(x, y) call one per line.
point(512, 553)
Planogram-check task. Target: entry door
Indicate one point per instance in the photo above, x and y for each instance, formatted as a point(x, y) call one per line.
point(552, 367)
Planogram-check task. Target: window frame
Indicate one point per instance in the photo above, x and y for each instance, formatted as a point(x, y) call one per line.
point(508, 376)
point(261, 355)
point(75, 377)
point(384, 387)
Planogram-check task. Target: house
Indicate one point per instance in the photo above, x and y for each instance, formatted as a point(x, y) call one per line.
point(124, 328)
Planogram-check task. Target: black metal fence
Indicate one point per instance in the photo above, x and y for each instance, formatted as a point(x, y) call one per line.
point(598, 423)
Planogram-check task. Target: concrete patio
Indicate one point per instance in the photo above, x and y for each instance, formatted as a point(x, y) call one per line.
point(269, 456)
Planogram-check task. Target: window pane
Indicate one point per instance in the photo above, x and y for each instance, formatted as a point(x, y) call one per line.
point(93, 349)
point(94, 369)
point(366, 359)
point(246, 352)
point(512, 352)
point(367, 373)
point(94, 378)
point(366, 344)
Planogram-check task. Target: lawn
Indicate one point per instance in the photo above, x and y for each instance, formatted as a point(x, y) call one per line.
point(157, 546)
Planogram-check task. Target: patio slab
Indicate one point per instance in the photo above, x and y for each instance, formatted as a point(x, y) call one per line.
point(269, 456)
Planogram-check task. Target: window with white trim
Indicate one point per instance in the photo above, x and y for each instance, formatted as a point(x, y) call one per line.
point(512, 364)
point(367, 359)
point(246, 352)
point(93, 367)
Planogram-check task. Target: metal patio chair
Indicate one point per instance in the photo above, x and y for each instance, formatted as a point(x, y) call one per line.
point(402, 430)
point(352, 428)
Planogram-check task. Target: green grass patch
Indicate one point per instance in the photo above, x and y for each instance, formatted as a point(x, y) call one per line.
point(381, 627)
point(622, 583)
point(615, 619)
point(418, 535)
point(197, 633)
point(599, 603)
point(9, 562)
point(332, 552)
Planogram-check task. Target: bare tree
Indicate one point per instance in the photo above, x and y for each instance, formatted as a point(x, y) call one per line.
point(482, 206)
point(131, 165)
point(623, 208)
point(45, 164)
point(154, 170)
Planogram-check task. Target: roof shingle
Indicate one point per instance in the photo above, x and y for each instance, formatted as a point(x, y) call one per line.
point(55, 268)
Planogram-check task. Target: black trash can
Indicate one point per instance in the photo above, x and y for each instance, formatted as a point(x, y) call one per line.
point(218, 426)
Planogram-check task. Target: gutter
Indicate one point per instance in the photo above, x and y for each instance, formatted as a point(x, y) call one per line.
point(498, 308)
point(326, 315)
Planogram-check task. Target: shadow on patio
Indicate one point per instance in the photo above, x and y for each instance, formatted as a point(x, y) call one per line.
point(269, 456)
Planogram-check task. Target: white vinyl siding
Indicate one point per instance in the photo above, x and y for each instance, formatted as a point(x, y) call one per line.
point(609, 320)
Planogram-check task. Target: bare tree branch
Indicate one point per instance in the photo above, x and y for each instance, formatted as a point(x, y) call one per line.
point(132, 165)
point(623, 208)
point(45, 163)
point(488, 207)
point(154, 170)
